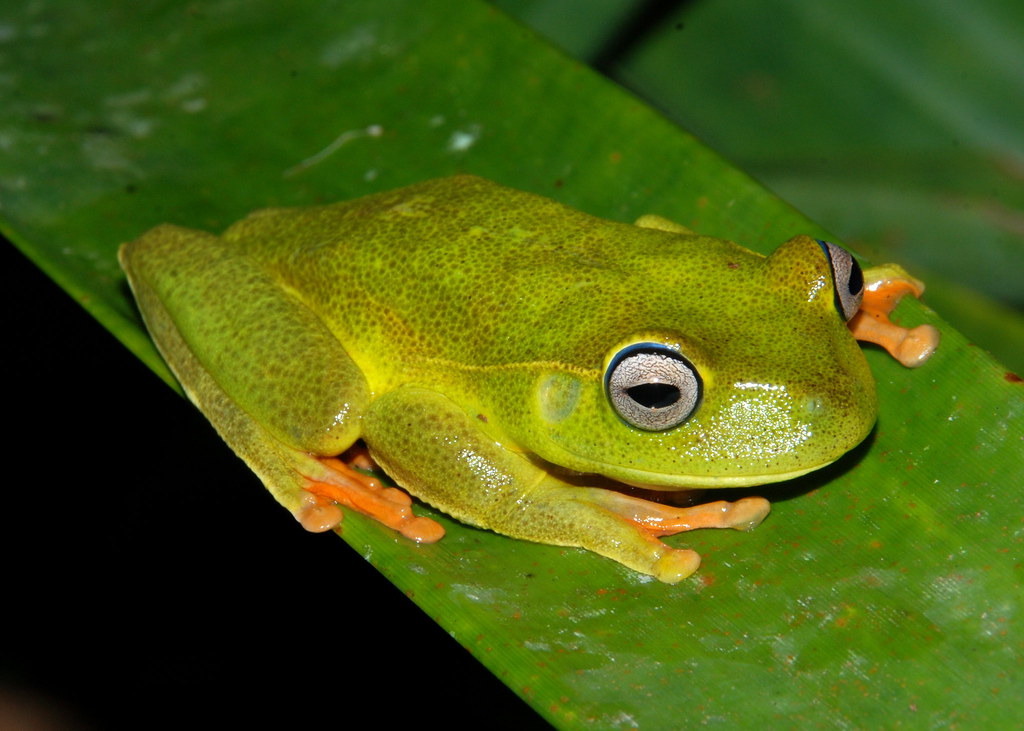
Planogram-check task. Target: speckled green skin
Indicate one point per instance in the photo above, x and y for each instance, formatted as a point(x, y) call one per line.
point(463, 329)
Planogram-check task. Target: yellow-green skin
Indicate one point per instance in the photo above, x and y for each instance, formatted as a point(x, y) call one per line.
point(463, 329)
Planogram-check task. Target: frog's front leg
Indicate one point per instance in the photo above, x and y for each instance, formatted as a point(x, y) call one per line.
point(437, 451)
point(265, 370)
point(884, 287)
point(666, 520)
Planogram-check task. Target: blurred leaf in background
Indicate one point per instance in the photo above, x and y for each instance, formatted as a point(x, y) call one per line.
point(897, 125)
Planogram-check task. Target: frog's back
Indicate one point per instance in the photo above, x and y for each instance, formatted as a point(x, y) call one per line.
point(464, 269)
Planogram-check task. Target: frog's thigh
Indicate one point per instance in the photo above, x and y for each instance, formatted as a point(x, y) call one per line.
point(435, 450)
point(270, 377)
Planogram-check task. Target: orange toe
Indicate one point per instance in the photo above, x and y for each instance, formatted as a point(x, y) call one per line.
point(340, 485)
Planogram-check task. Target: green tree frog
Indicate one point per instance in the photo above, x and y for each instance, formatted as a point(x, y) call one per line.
point(520, 365)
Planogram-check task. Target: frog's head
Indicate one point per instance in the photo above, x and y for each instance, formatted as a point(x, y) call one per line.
point(763, 383)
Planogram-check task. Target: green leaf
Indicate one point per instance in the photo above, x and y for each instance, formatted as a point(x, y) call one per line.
point(855, 604)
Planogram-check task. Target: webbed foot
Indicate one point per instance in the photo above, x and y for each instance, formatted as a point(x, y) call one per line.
point(337, 484)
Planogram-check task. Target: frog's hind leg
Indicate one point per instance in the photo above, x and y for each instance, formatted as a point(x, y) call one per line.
point(266, 371)
point(337, 483)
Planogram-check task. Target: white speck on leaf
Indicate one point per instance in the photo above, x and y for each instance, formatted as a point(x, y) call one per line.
point(462, 139)
point(186, 86)
point(359, 43)
point(374, 130)
point(129, 98)
point(135, 126)
point(193, 106)
point(103, 153)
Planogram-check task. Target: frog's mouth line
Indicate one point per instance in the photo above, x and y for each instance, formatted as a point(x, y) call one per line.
point(661, 482)
point(667, 483)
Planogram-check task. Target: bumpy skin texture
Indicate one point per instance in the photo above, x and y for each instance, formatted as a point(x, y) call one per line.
point(463, 330)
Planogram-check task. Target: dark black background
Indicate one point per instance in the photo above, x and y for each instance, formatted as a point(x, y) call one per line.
point(151, 582)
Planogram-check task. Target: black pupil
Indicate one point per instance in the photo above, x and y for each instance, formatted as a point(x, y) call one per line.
point(654, 395)
point(856, 277)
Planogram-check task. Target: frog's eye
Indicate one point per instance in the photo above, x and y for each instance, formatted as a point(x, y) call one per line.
point(848, 277)
point(652, 386)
